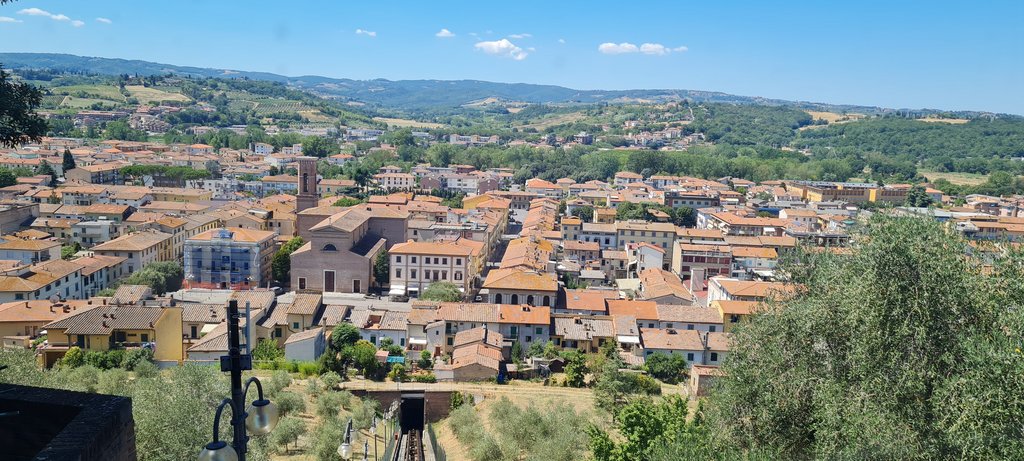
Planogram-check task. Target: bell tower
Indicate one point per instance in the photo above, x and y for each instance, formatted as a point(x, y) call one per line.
point(308, 197)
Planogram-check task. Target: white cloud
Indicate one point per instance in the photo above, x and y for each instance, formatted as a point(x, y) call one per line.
point(444, 33)
point(502, 47)
point(9, 20)
point(104, 20)
point(562, 41)
point(617, 48)
point(365, 32)
point(35, 12)
point(54, 16)
point(653, 49)
point(518, 36)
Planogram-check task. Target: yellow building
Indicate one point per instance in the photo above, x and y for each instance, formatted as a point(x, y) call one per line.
point(180, 194)
point(105, 327)
point(733, 313)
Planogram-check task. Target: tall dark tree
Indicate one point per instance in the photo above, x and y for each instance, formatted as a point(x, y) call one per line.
point(68, 161)
point(19, 122)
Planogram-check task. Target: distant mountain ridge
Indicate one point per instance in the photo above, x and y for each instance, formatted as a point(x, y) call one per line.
point(415, 95)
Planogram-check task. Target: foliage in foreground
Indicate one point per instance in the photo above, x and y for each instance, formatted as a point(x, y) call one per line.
point(905, 349)
point(531, 433)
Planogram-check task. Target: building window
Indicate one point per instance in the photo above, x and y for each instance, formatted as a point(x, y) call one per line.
point(458, 275)
point(538, 331)
point(398, 259)
point(330, 247)
point(714, 356)
point(398, 273)
point(414, 260)
point(302, 283)
point(689, 357)
point(458, 261)
point(412, 273)
point(689, 327)
point(295, 325)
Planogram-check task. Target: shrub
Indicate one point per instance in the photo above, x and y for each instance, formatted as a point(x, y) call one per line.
point(289, 403)
point(113, 382)
point(307, 369)
point(267, 350)
point(330, 380)
point(146, 370)
point(73, 358)
point(425, 362)
point(134, 357)
point(288, 431)
point(329, 404)
point(397, 373)
point(313, 387)
point(424, 378)
point(279, 380)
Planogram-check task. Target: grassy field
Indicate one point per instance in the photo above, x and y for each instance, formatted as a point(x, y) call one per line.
point(960, 179)
point(556, 120)
point(406, 123)
point(108, 92)
point(82, 103)
point(147, 94)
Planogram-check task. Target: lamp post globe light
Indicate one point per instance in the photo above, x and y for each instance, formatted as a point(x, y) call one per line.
point(260, 417)
point(345, 449)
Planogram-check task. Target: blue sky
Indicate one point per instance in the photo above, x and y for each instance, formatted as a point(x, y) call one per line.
point(934, 54)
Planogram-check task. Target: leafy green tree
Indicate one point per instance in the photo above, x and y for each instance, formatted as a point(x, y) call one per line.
point(908, 313)
point(7, 178)
point(281, 264)
point(917, 196)
point(343, 336)
point(443, 292)
point(19, 122)
point(426, 361)
point(288, 431)
point(347, 201)
point(289, 403)
point(575, 369)
point(73, 358)
point(68, 251)
point(267, 350)
point(517, 352)
point(398, 373)
point(364, 357)
point(666, 367)
point(330, 380)
point(382, 268)
point(585, 213)
point(69, 161)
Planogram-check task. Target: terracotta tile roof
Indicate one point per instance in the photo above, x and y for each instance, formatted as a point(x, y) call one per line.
point(466, 312)
point(590, 300)
point(17, 244)
point(517, 279)
point(688, 314)
point(524, 315)
point(752, 289)
point(305, 304)
point(131, 294)
point(257, 299)
point(102, 320)
point(304, 335)
point(333, 315)
point(203, 313)
point(643, 310)
point(39, 310)
point(718, 341)
point(576, 328)
point(460, 247)
point(671, 339)
point(754, 252)
point(656, 283)
point(478, 335)
point(134, 242)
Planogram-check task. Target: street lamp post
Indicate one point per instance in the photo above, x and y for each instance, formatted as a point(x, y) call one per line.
point(373, 432)
point(345, 449)
point(259, 418)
